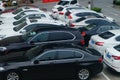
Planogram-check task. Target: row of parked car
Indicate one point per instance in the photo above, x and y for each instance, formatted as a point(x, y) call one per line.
point(33, 46)
point(35, 43)
point(100, 32)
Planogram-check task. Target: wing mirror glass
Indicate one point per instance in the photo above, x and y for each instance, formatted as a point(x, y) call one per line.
point(36, 62)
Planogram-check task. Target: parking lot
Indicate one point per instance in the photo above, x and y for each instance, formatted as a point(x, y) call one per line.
point(108, 9)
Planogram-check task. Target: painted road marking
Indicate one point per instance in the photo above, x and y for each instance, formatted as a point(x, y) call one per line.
point(105, 76)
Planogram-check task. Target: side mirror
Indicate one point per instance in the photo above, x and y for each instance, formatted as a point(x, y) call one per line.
point(31, 42)
point(23, 31)
point(36, 62)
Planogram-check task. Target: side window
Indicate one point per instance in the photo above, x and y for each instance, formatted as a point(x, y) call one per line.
point(74, 2)
point(42, 15)
point(54, 36)
point(50, 55)
point(28, 28)
point(78, 55)
point(65, 54)
point(41, 37)
point(117, 38)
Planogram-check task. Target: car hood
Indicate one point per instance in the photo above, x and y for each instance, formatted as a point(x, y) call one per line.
point(10, 40)
point(14, 65)
point(4, 33)
point(7, 15)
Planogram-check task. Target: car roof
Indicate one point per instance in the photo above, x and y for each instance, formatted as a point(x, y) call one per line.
point(99, 21)
point(37, 30)
point(84, 10)
point(116, 31)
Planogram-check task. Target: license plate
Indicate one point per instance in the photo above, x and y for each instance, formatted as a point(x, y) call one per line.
point(108, 55)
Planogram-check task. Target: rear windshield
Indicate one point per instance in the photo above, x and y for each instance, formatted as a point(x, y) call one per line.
point(106, 35)
point(117, 48)
point(63, 3)
point(88, 14)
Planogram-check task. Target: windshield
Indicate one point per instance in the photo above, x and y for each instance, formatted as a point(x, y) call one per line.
point(20, 26)
point(19, 16)
point(106, 35)
point(28, 35)
point(17, 11)
point(33, 52)
point(63, 3)
point(117, 48)
point(19, 21)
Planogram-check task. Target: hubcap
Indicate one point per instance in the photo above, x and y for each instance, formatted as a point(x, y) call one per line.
point(12, 76)
point(83, 74)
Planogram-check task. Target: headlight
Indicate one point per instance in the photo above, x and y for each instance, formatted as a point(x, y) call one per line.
point(2, 68)
point(3, 48)
point(2, 36)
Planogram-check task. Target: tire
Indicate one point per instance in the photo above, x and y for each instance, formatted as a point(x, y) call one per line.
point(83, 74)
point(12, 76)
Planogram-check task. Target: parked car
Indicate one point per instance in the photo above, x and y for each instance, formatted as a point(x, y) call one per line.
point(72, 16)
point(112, 57)
point(19, 11)
point(63, 61)
point(26, 26)
point(66, 3)
point(63, 10)
point(40, 36)
point(95, 26)
point(62, 3)
point(24, 15)
point(105, 40)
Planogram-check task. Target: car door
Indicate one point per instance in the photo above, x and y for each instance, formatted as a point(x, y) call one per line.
point(61, 37)
point(65, 63)
point(41, 67)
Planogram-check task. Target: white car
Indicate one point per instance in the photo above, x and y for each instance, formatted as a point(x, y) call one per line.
point(112, 57)
point(62, 3)
point(72, 16)
point(24, 15)
point(88, 20)
point(27, 26)
point(2, 8)
point(19, 11)
point(66, 3)
point(104, 40)
point(62, 11)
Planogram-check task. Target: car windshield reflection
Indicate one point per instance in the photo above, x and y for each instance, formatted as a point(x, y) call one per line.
point(17, 11)
point(19, 16)
point(20, 26)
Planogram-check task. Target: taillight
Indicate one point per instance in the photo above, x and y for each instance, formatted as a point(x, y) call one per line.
point(100, 60)
point(61, 13)
point(83, 33)
point(99, 43)
point(82, 42)
point(72, 25)
point(69, 16)
point(116, 57)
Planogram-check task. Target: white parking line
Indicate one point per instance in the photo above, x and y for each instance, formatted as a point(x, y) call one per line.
point(105, 76)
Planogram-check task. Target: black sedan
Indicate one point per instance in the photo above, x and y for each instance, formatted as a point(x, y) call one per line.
point(50, 62)
point(40, 36)
point(96, 26)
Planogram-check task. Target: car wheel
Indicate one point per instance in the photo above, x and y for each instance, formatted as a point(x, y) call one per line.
point(12, 76)
point(83, 74)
